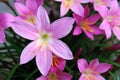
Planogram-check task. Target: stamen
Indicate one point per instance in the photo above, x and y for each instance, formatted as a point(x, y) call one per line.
point(55, 61)
point(85, 26)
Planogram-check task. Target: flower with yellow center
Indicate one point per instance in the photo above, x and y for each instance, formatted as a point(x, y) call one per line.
point(45, 38)
point(74, 5)
point(87, 24)
point(93, 70)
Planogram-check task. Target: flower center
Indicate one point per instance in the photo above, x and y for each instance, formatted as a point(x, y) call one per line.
point(31, 19)
point(52, 76)
point(86, 26)
point(90, 72)
point(111, 18)
point(67, 3)
point(43, 40)
point(45, 37)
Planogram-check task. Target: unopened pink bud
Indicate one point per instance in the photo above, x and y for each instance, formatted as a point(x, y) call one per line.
point(115, 47)
point(78, 52)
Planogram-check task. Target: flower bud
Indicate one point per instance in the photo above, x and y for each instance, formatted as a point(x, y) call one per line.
point(115, 47)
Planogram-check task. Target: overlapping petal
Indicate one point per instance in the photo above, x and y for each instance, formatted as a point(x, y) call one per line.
point(116, 31)
point(89, 35)
point(25, 30)
point(78, 9)
point(77, 30)
point(44, 61)
point(94, 63)
point(32, 5)
point(29, 52)
point(94, 18)
point(82, 64)
point(78, 18)
point(105, 26)
point(63, 76)
point(60, 49)
point(22, 9)
point(82, 77)
point(97, 31)
point(64, 9)
point(86, 11)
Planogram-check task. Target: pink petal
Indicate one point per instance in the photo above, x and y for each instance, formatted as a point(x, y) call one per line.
point(102, 10)
point(2, 35)
point(89, 35)
point(78, 9)
point(93, 64)
point(62, 27)
point(86, 11)
point(78, 18)
point(97, 31)
point(82, 77)
point(115, 7)
point(105, 26)
point(82, 64)
point(63, 9)
point(103, 67)
point(44, 61)
point(94, 18)
point(5, 19)
point(28, 53)
point(61, 64)
point(84, 1)
point(43, 22)
point(25, 30)
point(116, 31)
point(42, 78)
point(99, 77)
point(63, 76)
point(32, 6)
point(40, 2)
point(60, 49)
point(22, 9)
point(77, 30)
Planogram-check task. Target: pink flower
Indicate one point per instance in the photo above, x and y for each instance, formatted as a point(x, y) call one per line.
point(74, 5)
point(45, 38)
point(111, 20)
point(56, 75)
point(101, 5)
point(5, 20)
point(86, 24)
point(39, 2)
point(28, 11)
point(58, 63)
point(93, 70)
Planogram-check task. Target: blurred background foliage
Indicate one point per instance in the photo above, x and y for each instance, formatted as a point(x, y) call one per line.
point(99, 48)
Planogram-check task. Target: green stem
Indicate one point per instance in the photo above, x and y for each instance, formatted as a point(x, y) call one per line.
point(30, 75)
point(12, 72)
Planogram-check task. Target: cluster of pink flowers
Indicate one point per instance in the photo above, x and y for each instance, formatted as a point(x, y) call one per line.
point(50, 52)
